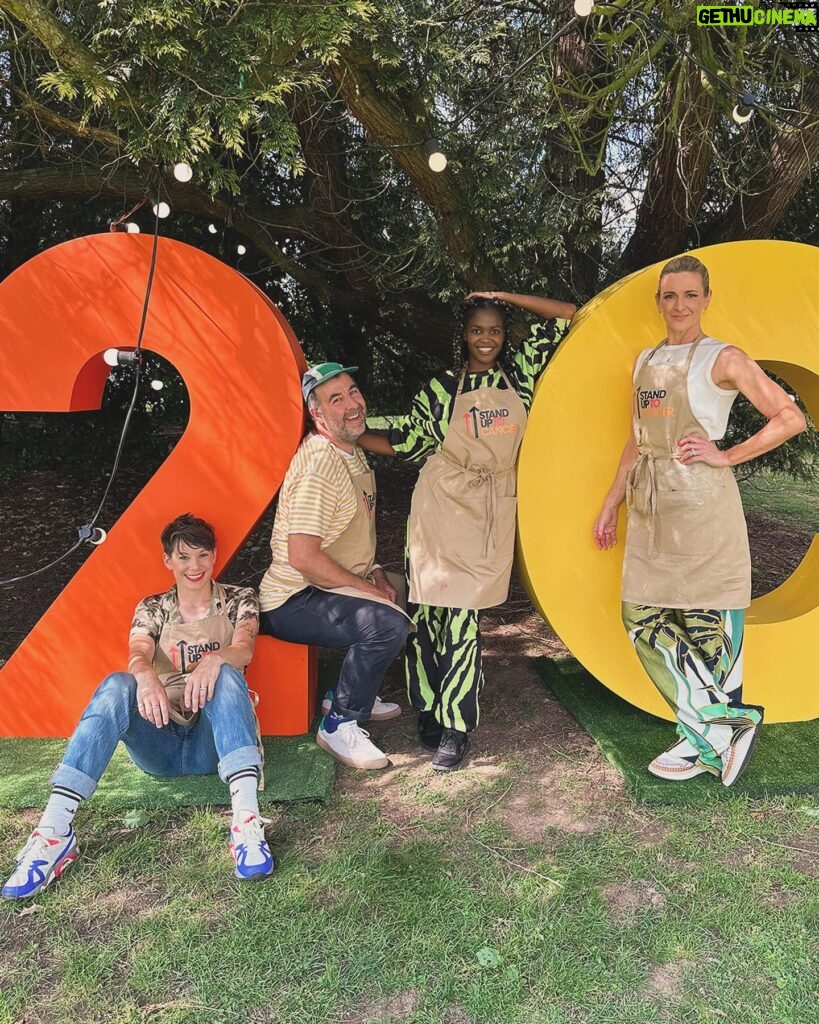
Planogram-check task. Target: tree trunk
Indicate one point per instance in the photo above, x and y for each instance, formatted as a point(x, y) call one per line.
point(678, 175)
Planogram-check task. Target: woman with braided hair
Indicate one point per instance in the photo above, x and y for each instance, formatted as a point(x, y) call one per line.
point(466, 425)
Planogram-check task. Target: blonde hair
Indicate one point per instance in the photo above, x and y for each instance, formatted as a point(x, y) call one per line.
point(687, 265)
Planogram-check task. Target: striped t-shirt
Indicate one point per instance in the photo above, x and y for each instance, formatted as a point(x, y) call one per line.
point(317, 498)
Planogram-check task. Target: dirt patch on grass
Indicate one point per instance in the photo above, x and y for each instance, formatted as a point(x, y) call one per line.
point(625, 899)
point(665, 983)
point(389, 1010)
point(804, 857)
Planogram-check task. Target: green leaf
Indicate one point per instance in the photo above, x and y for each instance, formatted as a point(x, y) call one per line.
point(488, 957)
point(136, 818)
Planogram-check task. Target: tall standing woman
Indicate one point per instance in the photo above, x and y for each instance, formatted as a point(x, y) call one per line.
point(687, 570)
point(466, 426)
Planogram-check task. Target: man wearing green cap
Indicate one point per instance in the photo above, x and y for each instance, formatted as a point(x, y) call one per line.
point(324, 586)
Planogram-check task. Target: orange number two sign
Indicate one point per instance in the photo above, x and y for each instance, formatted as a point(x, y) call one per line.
point(242, 366)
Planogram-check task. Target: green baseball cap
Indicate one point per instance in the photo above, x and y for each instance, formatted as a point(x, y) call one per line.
point(319, 374)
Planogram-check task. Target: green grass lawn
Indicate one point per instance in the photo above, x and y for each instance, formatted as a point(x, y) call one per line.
point(443, 918)
point(781, 496)
point(415, 899)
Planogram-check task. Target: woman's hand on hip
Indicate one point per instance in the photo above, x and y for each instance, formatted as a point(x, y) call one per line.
point(700, 449)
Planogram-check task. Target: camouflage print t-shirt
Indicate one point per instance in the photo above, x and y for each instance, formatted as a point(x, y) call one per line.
point(153, 613)
point(179, 647)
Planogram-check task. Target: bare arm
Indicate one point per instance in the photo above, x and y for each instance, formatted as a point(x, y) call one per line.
point(152, 698)
point(605, 527)
point(541, 306)
point(201, 682)
point(376, 443)
point(735, 369)
point(305, 555)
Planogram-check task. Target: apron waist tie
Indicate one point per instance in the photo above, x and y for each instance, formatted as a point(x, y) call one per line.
point(643, 474)
point(482, 476)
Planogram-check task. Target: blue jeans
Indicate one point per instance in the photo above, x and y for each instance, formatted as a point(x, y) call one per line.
point(373, 632)
point(222, 739)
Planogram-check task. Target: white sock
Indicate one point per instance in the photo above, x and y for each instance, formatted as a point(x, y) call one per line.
point(244, 786)
point(60, 810)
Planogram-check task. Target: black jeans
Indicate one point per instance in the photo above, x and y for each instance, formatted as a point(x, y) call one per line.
point(373, 632)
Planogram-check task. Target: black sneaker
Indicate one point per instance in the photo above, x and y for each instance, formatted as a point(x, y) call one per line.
point(452, 750)
point(429, 730)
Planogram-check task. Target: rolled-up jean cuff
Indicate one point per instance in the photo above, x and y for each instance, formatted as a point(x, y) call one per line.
point(243, 757)
point(357, 716)
point(75, 780)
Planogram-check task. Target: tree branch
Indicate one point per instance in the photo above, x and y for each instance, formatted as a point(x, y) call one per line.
point(793, 153)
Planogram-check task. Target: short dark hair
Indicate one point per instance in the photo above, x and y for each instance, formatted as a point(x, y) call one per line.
point(190, 530)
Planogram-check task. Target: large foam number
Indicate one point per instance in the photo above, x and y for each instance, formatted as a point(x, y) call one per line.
point(766, 300)
point(241, 364)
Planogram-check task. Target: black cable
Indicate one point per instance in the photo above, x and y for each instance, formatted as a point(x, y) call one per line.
point(86, 532)
point(724, 87)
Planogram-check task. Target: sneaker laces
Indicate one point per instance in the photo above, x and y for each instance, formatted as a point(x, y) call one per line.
point(249, 831)
point(37, 842)
point(353, 734)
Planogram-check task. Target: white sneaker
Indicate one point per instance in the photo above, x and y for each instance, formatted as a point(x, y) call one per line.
point(382, 710)
point(675, 769)
point(351, 745)
point(251, 854)
point(44, 858)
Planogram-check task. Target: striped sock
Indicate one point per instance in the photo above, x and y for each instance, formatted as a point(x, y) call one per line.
point(60, 810)
point(244, 786)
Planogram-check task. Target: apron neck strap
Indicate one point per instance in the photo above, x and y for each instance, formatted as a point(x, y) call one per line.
point(497, 367)
point(690, 356)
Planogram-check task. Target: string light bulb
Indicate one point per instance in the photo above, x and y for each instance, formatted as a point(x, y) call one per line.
point(744, 110)
point(161, 209)
point(132, 227)
point(436, 157)
point(583, 8)
point(212, 228)
point(157, 385)
point(241, 249)
point(118, 357)
point(182, 171)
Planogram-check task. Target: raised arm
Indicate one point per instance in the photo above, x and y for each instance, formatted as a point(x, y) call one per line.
point(539, 305)
point(736, 370)
point(605, 527)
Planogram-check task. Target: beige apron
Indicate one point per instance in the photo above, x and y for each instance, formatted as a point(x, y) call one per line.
point(462, 521)
point(687, 543)
point(354, 550)
point(181, 647)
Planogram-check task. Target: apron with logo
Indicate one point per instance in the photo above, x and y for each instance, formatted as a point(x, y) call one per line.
point(686, 543)
point(354, 550)
point(461, 535)
point(181, 647)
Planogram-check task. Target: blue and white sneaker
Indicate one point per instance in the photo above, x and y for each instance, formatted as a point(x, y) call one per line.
point(251, 854)
point(44, 858)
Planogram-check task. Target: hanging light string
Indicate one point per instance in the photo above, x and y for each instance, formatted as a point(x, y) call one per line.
point(748, 102)
point(91, 533)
